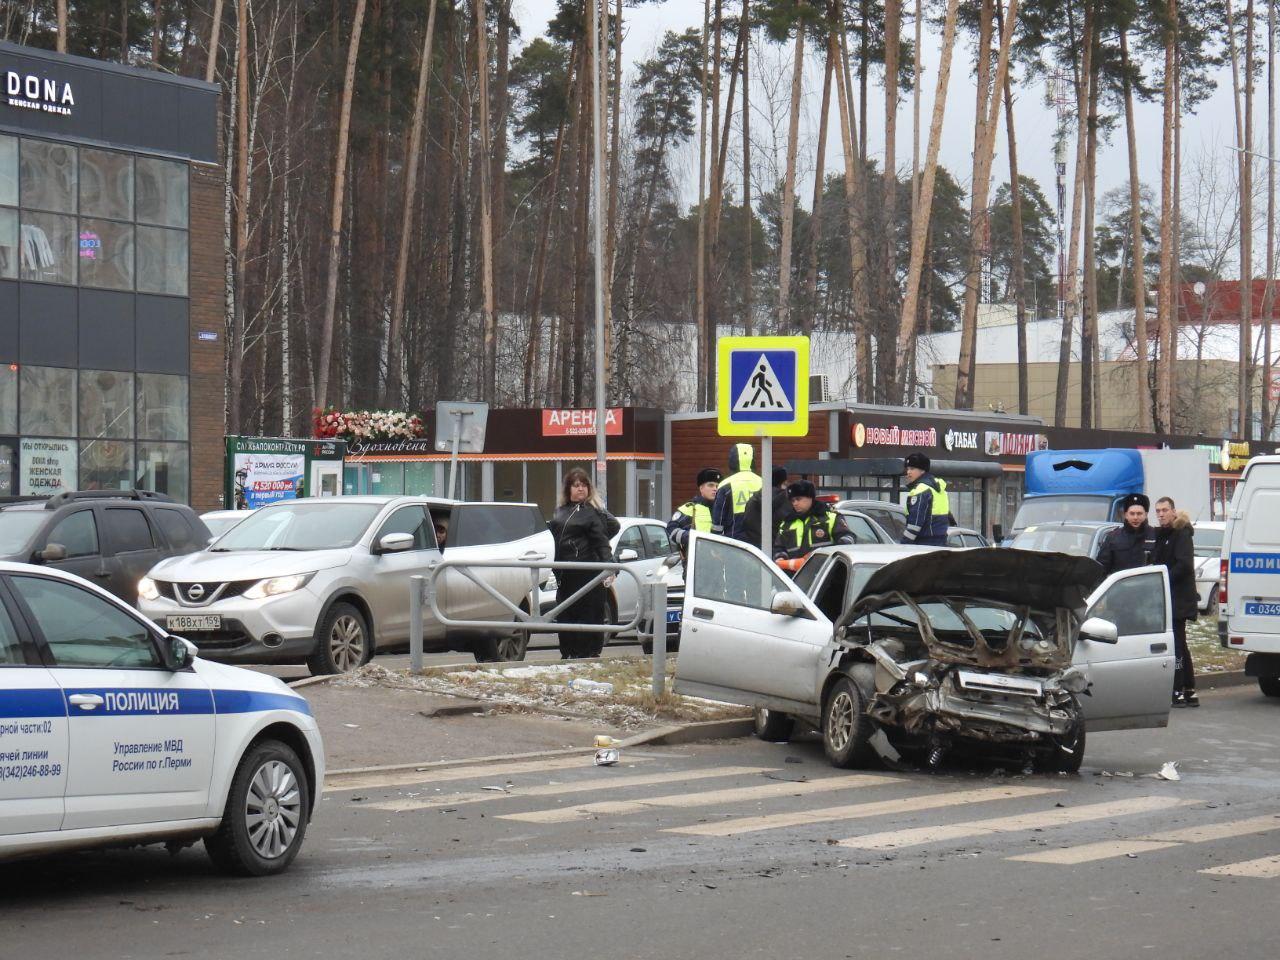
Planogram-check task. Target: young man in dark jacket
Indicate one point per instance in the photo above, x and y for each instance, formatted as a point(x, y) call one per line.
point(1175, 548)
point(1130, 545)
point(808, 524)
point(751, 517)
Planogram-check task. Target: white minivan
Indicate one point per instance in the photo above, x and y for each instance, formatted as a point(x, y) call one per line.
point(1249, 599)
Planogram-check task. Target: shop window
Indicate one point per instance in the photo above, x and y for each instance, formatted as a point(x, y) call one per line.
point(106, 254)
point(8, 244)
point(48, 465)
point(106, 404)
point(162, 192)
point(162, 261)
point(616, 476)
point(162, 407)
point(164, 468)
point(388, 479)
point(508, 481)
point(420, 478)
point(8, 171)
point(47, 247)
point(106, 465)
point(8, 398)
point(540, 485)
point(47, 397)
point(106, 184)
point(47, 176)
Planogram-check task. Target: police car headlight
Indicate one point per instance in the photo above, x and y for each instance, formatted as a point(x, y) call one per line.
point(147, 589)
point(276, 586)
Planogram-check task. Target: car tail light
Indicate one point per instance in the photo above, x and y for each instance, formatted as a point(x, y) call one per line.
point(1237, 641)
point(1222, 580)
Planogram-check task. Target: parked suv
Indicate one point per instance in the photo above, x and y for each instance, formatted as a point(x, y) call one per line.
point(327, 581)
point(107, 537)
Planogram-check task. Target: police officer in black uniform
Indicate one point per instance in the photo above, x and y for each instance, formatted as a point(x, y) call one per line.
point(1131, 544)
point(810, 523)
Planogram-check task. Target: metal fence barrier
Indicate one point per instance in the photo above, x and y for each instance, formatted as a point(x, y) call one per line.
point(649, 620)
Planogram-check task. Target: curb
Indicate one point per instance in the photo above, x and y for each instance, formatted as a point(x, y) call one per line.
point(312, 681)
point(693, 733)
point(455, 709)
point(1223, 680)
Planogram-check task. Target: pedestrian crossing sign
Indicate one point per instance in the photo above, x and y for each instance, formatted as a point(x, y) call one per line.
point(763, 386)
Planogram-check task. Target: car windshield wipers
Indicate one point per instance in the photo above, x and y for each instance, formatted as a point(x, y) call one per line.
point(288, 548)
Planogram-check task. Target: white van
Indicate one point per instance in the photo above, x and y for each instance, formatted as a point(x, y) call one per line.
point(1249, 601)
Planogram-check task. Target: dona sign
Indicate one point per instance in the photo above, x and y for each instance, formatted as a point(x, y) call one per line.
point(28, 91)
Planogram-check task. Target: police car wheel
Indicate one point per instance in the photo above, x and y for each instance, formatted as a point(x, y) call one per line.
point(342, 642)
point(773, 726)
point(265, 818)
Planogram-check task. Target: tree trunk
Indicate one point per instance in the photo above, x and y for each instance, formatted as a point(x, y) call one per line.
point(917, 53)
point(215, 27)
point(706, 351)
point(815, 218)
point(747, 289)
point(700, 304)
point(854, 212)
point(157, 31)
point(615, 177)
point(1269, 292)
point(892, 48)
point(337, 207)
point(489, 385)
point(393, 395)
point(789, 187)
point(1071, 300)
point(1246, 237)
point(1164, 302)
point(62, 25)
point(924, 208)
point(1090, 372)
point(236, 347)
point(1019, 253)
point(1136, 246)
point(984, 151)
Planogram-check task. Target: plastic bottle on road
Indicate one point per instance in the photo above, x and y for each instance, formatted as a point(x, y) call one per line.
point(583, 685)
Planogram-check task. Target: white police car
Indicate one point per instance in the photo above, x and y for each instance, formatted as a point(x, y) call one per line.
point(112, 732)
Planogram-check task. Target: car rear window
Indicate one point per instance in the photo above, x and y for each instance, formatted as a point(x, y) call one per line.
point(482, 523)
point(895, 524)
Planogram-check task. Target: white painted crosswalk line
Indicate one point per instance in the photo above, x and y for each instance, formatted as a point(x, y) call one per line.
point(1264, 868)
point(604, 781)
point(802, 818)
point(403, 778)
point(706, 798)
point(1039, 820)
point(1149, 843)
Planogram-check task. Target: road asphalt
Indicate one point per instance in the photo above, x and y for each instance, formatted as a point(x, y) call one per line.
point(733, 849)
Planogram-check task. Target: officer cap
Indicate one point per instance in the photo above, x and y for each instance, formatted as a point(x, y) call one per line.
point(709, 475)
point(802, 488)
point(1136, 499)
point(917, 460)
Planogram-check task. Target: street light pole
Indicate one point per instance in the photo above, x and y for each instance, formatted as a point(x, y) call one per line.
point(597, 190)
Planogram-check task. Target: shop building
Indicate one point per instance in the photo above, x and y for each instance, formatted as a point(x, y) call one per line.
point(112, 290)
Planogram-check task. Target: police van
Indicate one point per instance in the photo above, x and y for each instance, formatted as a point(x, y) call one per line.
point(1249, 593)
point(112, 732)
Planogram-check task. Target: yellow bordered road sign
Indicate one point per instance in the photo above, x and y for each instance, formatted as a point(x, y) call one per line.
point(763, 386)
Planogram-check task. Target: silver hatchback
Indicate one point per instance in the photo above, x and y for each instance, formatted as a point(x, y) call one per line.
point(326, 581)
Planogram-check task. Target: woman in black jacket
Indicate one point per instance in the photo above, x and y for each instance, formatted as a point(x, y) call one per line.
point(1176, 550)
point(582, 528)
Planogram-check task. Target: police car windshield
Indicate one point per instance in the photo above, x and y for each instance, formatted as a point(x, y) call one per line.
point(16, 529)
point(1049, 509)
point(300, 526)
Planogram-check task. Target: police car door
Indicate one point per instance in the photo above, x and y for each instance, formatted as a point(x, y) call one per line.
point(732, 646)
point(141, 736)
point(1132, 679)
point(33, 733)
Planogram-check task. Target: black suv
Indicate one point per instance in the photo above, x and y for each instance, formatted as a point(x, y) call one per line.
point(111, 538)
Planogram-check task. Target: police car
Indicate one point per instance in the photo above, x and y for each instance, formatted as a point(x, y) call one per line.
point(112, 732)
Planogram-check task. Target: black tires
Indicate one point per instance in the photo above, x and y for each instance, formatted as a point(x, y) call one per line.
point(344, 641)
point(495, 649)
point(772, 726)
point(846, 728)
point(1211, 610)
point(1061, 754)
point(266, 815)
point(1269, 686)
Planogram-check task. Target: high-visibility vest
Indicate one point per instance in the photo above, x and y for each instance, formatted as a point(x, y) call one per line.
point(744, 483)
point(798, 532)
point(941, 505)
point(699, 512)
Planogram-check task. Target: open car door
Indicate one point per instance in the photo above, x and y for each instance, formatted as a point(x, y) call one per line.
point(1132, 679)
point(733, 647)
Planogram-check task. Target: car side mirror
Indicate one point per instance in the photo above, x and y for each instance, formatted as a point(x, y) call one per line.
point(627, 555)
point(395, 543)
point(52, 553)
point(1099, 631)
point(181, 652)
point(788, 604)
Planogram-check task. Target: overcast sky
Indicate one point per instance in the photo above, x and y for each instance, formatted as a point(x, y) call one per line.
point(1208, 133)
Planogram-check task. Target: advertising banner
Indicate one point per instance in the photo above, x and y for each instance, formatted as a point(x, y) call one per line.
point(8, 466)
point(47, 466)
point(580, 423)
point(262, 478)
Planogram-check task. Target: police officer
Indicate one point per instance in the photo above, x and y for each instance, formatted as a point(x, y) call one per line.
point(809, 523)
point(733, 493)
point(753, 515)
point(928, 508)
point(1132, 544)
point(694, 514)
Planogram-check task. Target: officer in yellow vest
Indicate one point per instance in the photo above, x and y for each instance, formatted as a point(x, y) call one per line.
point(735, 490)
point(694, 514)
point(928, 509)
point(810, 523)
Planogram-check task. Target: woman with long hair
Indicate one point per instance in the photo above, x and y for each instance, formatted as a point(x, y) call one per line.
point(582, 528)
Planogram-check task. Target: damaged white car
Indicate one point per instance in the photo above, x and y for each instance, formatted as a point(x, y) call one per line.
point(916, 654)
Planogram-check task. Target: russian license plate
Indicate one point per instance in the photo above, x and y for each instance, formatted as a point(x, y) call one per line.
point(1262, 609)
point(209, 621)
point(674, 616)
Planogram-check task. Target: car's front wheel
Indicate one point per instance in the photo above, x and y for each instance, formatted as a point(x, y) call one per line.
point(846, 728)
point(265, 818)
point(343, 642)
point(773, 726)
point(1269, 686)
point(1211, 608)
point(1062, 754)
point(500, 649)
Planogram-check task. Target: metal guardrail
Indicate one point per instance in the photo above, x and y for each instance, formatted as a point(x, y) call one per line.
point(650, 619)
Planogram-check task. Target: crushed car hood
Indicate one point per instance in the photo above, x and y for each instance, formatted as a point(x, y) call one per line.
point(1042, 581)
